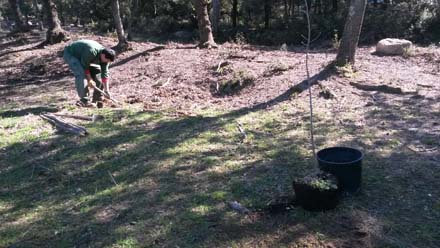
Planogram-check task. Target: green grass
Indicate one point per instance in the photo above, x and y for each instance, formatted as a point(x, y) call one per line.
point(144, 179)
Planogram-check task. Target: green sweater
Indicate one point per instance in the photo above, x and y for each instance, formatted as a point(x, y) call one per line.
point(88, 52)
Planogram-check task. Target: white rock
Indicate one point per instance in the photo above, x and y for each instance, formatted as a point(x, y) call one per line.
point(393, 46)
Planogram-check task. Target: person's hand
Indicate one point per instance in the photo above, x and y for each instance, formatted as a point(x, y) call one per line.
point(90, 83)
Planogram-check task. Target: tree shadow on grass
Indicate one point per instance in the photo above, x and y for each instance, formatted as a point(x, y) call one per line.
point(150, 180)
point(165, 191)
point(22, 112)
point(135, 56)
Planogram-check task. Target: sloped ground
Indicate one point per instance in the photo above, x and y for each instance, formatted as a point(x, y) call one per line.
point(159, 171)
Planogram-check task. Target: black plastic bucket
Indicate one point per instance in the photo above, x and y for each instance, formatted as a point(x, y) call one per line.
point(345, 163)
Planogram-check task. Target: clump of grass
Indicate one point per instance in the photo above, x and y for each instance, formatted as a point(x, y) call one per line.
point(346, 71)
point(240, 39)
point(223, 68)
point(276, 69)
point(408, 52)
point(239, 80)
point(320, 181)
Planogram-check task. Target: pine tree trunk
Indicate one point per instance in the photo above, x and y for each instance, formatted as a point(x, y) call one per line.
point(206, 37)
point(335, 6)
point(318, 7)
point(20, 24)
point(292, 8)
point(122, 41)
point(234, 13)
point(133, 14)
point(215, 15)
point(55, 34)
point(38, 14)
point(352, 30)
point(267, 13)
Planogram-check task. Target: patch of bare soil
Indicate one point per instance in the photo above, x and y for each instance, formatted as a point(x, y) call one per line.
point(182, 77)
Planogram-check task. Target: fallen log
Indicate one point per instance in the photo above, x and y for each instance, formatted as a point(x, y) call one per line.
point(381, 88)
point(92, 118)
point(63, 125)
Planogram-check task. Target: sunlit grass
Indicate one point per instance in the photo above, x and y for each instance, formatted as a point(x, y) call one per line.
point(163, 180)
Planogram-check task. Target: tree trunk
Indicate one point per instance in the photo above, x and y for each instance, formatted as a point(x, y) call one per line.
point(234, 14)
point(133, 13)
point(292, 8)
point(335, 6)
point(38, 14)
point(385, 4)
point(122, 41)
point(206, 38)
point(267, 10)
point(309, 3)
point(55, 34)
point(61, 13)
point(318, 7)
point(216, 5)
point(20, 24)
point(438, 9)
point(352, 30)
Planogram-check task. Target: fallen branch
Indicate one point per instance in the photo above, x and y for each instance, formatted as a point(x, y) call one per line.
point(159, 84)
point(241, 129)
point(238, 207)
point(220, 65)
point(381, 88)
point(40, 166)
point(92, 118)
point(113, 179)
point(63, 125)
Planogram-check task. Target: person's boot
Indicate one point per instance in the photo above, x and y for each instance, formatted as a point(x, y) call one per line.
point(84, 103)
point(97, 98)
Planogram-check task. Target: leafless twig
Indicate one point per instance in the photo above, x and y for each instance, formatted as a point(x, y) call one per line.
point(113, 179)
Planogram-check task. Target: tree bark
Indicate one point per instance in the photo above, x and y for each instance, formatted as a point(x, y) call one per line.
point(352, 30)
point(61, 13)
point(216, 5)
point(133, 13)
point(292, 8)
point(38, 14)
point(206, 37)
point(267, 13)
point(318, 7)
point(122, 41)
point(234, 13)
point(335, 6)
point(55, 33)
point(20, 23)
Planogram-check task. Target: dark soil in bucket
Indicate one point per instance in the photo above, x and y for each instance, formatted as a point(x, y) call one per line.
point(345, 163)
point(317, 192)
